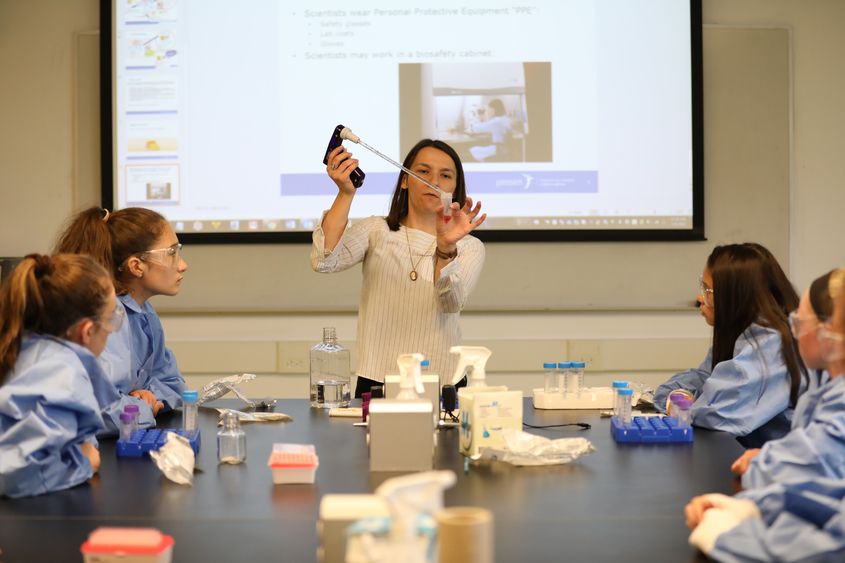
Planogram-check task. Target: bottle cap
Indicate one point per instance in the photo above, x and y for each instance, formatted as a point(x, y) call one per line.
point(564, 365)
point(131, 409)
point(625, 391)
point(579, 365)
point(425, 364)
point(619, 384)
point(549, 365)
point(682, 402)
point(190, 396)
point(126, 417)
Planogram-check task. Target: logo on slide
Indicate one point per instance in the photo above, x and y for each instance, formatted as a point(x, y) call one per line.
point(528, 179)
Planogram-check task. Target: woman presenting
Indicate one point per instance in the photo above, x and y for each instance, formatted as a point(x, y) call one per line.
point(419, 264)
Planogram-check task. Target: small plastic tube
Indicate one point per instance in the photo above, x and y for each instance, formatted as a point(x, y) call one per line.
point(681, 411)
point(577, 374)
point(617, 385)
point(127, 426)
point(625, 395)
point(134, 410)
point(563, 377)
point(446, 200)
point(424, 366)
point(189, 410)
point(550, 377)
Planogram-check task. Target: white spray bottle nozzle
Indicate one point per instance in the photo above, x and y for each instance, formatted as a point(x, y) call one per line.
point(411, 495)
point(410, 376)
point(474, 357)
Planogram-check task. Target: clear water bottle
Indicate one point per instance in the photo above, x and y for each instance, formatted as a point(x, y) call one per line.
point(231, 440)
point(550, 377)
point(329, 373)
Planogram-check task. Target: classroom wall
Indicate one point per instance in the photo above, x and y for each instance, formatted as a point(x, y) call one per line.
point(48, 168)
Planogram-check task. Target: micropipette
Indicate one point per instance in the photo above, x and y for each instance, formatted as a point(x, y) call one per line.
point(445, 197)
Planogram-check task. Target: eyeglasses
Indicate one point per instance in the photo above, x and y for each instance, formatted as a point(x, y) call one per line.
point(835, 341)
point(797, 323)
point(169, 256)
point(705, 291)
point(115, 320)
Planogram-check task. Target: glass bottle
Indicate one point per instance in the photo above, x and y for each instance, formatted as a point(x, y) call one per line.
point(231, 440)
point(329, 372)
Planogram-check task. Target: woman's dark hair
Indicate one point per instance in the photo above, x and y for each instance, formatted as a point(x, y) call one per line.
point(742, 295)
point(399, 201)
point(498, 107)
point(821, 298)
point(48, 295)
point(782, 289)
point(111, 238)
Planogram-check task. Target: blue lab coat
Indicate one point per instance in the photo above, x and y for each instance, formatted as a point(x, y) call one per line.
point(117, 363)
point(47, 410)
point(740, 394)
point(814, 448)
point(153, 365)
point(800, 522)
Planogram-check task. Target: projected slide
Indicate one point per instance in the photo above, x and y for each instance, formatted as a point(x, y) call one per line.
point(567, 114)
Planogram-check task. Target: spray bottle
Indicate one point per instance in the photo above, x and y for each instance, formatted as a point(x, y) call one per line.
point(410, 374)
point(412, 500)
point(485, 411)
point(401, 430)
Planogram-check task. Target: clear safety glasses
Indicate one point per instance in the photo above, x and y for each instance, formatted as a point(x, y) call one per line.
point(799, 325)
point(115, 320)
point(834, 342)
point(705, 292)
point(169, 256)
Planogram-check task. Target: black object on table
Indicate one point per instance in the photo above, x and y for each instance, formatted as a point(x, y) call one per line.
point(621, 503)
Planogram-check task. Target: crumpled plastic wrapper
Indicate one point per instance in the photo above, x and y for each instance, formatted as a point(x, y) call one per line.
point(522, 448)
point(176, 459)
point(254, 416)
point(219, 387)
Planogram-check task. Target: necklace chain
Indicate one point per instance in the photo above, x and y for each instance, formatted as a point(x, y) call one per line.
point(413, 274)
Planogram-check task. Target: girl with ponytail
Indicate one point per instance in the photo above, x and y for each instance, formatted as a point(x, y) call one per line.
point(141, 253)
point(55, 318)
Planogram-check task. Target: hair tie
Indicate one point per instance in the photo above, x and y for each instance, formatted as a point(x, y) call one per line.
point(106, 216)
point(43, 265)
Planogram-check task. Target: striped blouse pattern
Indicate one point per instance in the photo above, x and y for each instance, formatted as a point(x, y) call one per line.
point(397, 315)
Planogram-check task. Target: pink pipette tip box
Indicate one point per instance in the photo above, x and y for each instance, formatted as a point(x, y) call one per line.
point(127, 545)
point(293, 463)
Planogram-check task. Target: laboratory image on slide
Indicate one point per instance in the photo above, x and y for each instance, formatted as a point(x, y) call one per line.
point(488, 112)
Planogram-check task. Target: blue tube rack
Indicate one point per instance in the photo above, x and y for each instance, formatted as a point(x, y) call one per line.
point(147, 439)
point(650, 430)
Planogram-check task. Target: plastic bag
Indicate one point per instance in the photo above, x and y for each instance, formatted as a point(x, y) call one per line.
point(176, 459)
point(254, 416)
point(219, 387)
point(522, 448)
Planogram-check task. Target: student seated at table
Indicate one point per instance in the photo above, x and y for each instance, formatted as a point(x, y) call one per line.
point(802, 521)
point(55, 318)
point(752, 374)
point(815, 447)
point(143, 255)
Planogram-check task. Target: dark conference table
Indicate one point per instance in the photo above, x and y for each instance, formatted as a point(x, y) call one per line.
point(620, 503)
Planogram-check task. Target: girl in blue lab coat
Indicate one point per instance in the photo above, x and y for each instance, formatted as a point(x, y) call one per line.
point(55, 317)
point(142, 253)
point(803, 521)
point(752, 373)
point(815, 447)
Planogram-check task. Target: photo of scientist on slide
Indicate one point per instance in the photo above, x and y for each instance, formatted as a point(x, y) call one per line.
point(489, 112)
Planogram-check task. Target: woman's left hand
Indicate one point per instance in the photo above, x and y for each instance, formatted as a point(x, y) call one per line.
point(454, 227)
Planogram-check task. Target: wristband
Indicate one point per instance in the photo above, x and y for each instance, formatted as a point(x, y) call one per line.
point(446, 255)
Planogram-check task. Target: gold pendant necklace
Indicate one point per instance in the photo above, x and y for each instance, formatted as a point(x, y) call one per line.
point(413, 274)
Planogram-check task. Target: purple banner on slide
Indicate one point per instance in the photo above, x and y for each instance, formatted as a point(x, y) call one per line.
point(538, 182)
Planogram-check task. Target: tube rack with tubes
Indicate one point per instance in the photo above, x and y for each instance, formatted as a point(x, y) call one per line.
point(651, 429)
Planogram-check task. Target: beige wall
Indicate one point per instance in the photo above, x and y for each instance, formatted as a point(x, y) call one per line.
point(41, 182)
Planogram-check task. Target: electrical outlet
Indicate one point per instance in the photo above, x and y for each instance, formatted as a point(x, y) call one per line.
point(294, 357)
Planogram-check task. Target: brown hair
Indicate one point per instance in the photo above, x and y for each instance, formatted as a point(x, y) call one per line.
point(48, 295)
point(744, 295)
point(112, 238)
